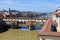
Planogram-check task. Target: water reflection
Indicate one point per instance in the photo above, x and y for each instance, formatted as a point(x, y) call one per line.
point(38, 27)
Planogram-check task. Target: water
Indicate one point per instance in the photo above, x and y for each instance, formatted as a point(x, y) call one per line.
point(24, 28)
point(38, 27)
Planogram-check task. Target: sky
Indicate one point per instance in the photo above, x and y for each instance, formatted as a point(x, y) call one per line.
point(30, 5)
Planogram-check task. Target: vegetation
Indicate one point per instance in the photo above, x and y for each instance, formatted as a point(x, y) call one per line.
point(18, 34)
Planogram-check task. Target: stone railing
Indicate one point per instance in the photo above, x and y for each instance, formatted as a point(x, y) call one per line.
point(47, 33)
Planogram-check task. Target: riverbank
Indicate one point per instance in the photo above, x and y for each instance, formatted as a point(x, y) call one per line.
point(18, 34)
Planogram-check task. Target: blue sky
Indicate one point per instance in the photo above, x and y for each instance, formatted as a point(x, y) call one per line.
point(30, 5)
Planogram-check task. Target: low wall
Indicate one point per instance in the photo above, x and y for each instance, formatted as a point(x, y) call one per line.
point(46, 33)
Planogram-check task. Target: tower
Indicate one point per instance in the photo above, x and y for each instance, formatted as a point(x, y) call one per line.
point(9, 11)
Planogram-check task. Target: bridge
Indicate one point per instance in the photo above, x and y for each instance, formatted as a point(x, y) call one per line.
point(23, 21)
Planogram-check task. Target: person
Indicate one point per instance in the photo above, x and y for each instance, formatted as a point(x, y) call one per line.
point(31, 26)
point(54, 26)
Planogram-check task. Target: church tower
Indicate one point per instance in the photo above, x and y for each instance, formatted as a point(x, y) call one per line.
point(9, 11)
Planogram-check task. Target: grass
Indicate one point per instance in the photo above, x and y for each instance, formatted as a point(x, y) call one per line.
point(18, 34)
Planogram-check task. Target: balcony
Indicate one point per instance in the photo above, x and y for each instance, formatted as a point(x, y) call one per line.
point(47, 33)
